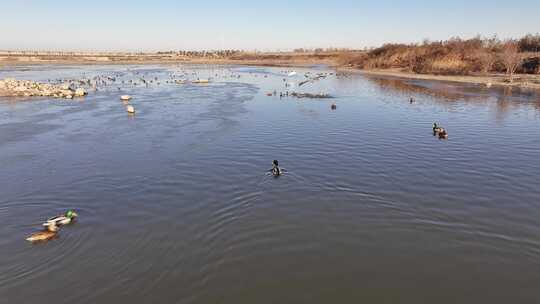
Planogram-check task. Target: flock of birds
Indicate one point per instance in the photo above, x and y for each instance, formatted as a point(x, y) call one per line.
point(309, 78)
point(181, 75)
point(136, 78)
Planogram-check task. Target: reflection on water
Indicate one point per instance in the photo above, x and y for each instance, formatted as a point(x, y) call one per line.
point(175, 204)
point(504, 99)
point(440, 91)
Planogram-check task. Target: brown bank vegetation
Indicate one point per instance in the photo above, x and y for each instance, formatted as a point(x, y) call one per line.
point(455, 56)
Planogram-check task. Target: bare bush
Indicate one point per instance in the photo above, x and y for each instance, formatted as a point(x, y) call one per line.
point(348, 58)
point(486, 59)
point(511, 58)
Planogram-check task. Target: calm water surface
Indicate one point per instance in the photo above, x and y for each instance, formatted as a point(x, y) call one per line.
point(176, 207)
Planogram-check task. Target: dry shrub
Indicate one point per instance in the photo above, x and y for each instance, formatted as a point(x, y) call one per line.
point(484, 60)
point(351, 59)
point(511, 58)
point(452, 57)
point(449, 65)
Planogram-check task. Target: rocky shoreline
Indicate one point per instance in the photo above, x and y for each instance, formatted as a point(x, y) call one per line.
point(11, 87)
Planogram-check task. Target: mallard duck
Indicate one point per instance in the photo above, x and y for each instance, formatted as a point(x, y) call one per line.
point(46, 234)
point(60, 220)
point(276, 170)
point(436, 128)
point(443, 134)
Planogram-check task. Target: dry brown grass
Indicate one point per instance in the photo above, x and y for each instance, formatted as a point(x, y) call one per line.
point(453, 57)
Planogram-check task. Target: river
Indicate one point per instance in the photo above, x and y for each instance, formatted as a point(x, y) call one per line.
point(176, 205)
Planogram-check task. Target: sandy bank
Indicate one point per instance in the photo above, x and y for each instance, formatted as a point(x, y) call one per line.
point(269, 63)
point(263, 59)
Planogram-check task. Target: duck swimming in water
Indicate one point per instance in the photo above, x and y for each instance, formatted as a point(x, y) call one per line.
point(436, 128)
point(60, 220)
point(443, 134)
point(440, 131)
point(276, 170)
point(46, 234)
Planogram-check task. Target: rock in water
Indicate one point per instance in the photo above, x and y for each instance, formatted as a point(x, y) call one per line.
point(309, 95)
point(80, 92)
point(13, 87)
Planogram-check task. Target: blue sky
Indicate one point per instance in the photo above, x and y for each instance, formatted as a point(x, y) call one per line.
point(264, 25)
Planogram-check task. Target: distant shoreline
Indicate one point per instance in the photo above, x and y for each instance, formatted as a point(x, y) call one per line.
point(525, 81)
point(260, 59)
